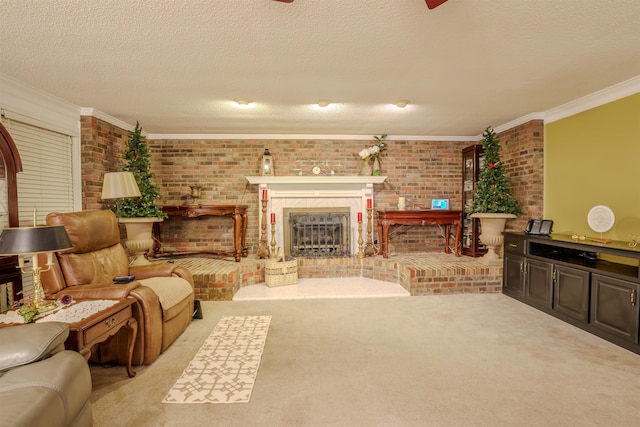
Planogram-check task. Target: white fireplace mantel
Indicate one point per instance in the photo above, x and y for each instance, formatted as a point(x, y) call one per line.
point(284, 192)
point(316, 179)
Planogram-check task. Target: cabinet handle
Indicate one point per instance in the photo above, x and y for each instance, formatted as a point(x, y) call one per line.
point(633, 297)
point(110, 322)
point(521, 266)
point(555, 275)
point(513, 245)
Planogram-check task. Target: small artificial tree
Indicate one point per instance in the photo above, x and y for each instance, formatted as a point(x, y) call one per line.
point(137, 161)
point(492, 193)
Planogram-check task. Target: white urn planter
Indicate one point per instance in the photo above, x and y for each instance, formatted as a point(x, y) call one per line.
point(492, 226)
point(139, 237)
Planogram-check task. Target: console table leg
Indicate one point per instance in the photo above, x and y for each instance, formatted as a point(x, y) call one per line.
point(243, 235)
point(237, 223)
point(447, 232)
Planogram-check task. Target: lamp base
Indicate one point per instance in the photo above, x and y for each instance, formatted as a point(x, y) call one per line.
point(44, 305)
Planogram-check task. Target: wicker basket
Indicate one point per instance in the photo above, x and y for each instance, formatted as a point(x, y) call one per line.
point(281, 271)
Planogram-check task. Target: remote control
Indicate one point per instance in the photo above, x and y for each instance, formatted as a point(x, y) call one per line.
point(123, 279)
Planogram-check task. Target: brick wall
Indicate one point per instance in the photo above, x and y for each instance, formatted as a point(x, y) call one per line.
point(101, 151)
point(417, 170)
point(522, 152)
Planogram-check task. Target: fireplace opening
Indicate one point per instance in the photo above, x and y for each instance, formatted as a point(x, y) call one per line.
point(317, 232)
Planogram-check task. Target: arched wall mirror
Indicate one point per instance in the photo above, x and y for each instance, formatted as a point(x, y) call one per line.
point(10, 276)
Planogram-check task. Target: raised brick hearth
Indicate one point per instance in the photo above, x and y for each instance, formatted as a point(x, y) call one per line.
point(420, 273)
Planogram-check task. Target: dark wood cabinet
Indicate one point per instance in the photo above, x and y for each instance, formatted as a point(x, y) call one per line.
point(539, 283)
point(524, 278)
point(472, 162)
point(577, 282)
point(571, 293)
point(614, 308)
point(10, 276)
point(513, 279)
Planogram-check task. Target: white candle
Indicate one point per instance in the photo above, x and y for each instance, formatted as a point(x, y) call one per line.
point(400, 203)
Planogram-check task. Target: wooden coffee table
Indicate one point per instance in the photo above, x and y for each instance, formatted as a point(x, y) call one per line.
point(96, 328)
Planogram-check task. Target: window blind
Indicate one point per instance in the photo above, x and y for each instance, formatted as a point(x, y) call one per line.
point(46, 181)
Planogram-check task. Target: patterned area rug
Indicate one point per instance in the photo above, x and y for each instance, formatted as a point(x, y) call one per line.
point(225, 368)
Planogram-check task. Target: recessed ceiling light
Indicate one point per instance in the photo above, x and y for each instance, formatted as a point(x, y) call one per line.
point(242, 101)
point(324, 102)
point(402, 103)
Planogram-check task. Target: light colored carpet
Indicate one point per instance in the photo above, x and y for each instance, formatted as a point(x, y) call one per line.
point(454, 360)
point(225, 368)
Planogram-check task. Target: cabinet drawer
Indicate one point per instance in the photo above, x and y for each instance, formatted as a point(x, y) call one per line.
point(514, 244)
point(107, 325)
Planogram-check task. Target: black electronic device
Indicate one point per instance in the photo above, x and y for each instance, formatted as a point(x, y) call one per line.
point(121, 280)
point(197, 310)
point(539, 226)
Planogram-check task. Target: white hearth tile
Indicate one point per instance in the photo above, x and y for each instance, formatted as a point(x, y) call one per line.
point(347, 287)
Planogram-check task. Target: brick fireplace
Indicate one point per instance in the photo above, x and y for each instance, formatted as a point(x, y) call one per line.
point(302, 193)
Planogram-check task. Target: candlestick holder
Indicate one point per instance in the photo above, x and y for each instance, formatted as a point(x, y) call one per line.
point(360, 253)
point(369, 249)
point(263, 250)
point(273, 241)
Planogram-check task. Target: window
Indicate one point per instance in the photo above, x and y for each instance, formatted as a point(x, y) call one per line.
point(46, 181)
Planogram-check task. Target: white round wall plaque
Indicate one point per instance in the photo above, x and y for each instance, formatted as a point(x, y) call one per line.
point(601, 218)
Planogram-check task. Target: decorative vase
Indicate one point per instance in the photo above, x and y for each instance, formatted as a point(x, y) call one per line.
point(492, 226)
point(139, 237)
point(376, 167)
point(366, 169)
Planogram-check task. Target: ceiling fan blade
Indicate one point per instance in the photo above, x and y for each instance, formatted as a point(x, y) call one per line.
point(291, 1)
point(432, 4)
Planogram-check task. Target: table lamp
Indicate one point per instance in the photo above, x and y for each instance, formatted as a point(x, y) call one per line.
point(119, 185)
point(122, 185)
point(23, 241)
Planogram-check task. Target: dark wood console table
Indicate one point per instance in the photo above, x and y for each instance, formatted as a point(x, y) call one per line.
point(238, 214)
point(422, 218)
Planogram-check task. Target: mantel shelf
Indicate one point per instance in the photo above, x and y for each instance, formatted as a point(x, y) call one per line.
point(321, 179)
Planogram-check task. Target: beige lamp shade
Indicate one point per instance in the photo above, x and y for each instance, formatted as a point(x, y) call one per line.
point(118, 185)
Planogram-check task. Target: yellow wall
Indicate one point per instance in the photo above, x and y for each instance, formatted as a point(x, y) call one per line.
point(593, 158)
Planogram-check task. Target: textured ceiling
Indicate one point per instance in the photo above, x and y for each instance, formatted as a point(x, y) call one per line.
point(176, 65)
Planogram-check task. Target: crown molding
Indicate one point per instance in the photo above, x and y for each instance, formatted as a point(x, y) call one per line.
point(596, 99)
point(187, 136)
point(517, 122)
point(28, 104)
point(92, 112)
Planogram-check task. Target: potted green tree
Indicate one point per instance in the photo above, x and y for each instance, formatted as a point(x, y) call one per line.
point(139, 214)
point(493, 202)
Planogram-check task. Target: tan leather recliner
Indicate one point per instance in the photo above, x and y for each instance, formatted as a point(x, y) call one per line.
point(163, 291)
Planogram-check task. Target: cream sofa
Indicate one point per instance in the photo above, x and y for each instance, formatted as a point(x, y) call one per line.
point(41, 383)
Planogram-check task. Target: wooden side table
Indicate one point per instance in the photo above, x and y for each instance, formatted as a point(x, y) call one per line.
point(421, 218)
point(98, 327)
point(238, 214)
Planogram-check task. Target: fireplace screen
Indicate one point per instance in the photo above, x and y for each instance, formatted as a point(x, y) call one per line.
point(318, 234)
